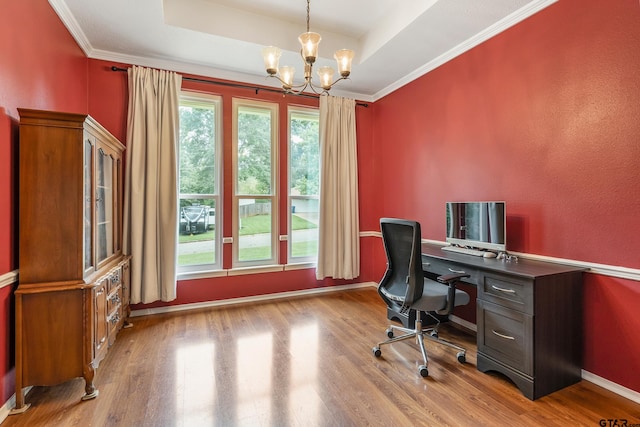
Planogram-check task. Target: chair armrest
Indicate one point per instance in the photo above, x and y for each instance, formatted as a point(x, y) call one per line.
point(450, 280)
point(453, 277)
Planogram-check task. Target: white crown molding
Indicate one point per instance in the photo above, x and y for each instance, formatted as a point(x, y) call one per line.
point(205, 71)
point(74, 28)
point(69, 21)
point(500, 26)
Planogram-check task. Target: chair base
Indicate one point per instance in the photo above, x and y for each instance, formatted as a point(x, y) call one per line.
point(419, 333)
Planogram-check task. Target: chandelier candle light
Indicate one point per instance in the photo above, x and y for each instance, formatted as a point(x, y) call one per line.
point(309, 53)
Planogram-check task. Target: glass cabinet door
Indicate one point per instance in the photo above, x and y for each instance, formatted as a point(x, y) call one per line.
point(87, 206)
point(104, 205)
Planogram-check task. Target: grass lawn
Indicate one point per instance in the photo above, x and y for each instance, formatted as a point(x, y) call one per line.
point(257, 224)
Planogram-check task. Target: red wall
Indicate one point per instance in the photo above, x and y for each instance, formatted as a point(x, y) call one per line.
point(41, 66)
point(546, 117)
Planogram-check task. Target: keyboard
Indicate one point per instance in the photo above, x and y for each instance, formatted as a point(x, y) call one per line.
point(468, 251)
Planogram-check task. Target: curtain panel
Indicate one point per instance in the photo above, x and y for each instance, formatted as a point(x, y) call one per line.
point(339, 228)
point(151, 191)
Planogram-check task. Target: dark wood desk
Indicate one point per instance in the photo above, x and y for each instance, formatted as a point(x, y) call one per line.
point(529, 317)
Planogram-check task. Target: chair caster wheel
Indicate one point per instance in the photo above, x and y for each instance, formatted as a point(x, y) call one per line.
point(424, 372)
point(377, 352)
point(390, 333)
point(434, 334)
point(461, 357)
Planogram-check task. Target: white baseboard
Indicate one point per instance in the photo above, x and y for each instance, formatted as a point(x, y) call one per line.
point(611, 386)
point(8, 406)
point(464, 323)
point(244, 300)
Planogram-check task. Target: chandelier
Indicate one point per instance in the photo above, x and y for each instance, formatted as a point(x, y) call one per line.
point(309, 52)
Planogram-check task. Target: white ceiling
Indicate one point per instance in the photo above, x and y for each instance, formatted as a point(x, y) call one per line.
point(395, 41)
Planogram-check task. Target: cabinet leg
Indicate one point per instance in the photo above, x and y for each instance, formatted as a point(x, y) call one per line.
point(90, 391)
point(20, 405)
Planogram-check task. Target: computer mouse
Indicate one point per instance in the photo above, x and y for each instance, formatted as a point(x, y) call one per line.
point(489, 254)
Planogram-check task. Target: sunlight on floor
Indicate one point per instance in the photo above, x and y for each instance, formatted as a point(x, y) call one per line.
point(195, 383)
point(261, 380)
point(304, 399)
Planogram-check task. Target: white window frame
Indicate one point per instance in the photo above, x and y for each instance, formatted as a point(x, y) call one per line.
point(202, 100)
point(272, 108)
point(315, 114)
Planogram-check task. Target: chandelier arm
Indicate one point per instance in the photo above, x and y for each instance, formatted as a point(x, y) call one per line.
point(284, 84)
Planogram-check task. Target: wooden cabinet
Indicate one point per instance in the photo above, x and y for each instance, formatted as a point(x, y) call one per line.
point(71, 299)
point(529, 318)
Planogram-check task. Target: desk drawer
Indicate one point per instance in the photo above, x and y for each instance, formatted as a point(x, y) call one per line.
point(506, 335)
point(439, 268)
point(508, 291)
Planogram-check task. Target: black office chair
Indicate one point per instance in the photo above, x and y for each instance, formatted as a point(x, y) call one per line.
point(404, 283)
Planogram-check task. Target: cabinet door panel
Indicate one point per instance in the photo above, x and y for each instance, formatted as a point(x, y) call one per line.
point(88, 191)
point(104, 205)
point(100, 317)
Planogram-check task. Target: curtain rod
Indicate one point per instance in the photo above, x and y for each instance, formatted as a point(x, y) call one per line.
point(243, 86)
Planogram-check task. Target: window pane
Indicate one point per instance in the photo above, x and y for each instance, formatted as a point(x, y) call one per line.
point(255, 238)
point(254, 151)
point(304, 228)
point(196, 240)
point(304, 182)
point(305, 155)
point(199, 240)
point(197, 150)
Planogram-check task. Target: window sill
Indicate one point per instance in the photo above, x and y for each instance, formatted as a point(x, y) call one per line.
point(299, 266)
point(205, 274)
point(239, 271)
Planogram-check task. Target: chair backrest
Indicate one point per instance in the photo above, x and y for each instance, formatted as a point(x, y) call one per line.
point(403, 280)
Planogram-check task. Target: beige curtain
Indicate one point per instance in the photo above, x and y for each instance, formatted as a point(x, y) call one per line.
point(339, 229)
point(151, 192)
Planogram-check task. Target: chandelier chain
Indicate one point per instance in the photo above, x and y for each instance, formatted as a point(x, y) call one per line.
point(308, 11)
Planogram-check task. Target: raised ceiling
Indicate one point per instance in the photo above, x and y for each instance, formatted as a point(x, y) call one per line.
point(395, 41)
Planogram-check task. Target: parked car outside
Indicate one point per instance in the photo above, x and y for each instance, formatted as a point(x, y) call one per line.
point(194, 219)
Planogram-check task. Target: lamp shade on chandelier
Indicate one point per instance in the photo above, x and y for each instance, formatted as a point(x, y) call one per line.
point(309, 42)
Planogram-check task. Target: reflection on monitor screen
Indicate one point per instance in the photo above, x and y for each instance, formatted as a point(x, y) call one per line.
point(477, 224)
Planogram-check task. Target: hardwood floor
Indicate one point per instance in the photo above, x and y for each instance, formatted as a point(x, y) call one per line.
point(301, 362)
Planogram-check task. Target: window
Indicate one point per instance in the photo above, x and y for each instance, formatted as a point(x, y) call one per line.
point(255, 136)
point(304, 182)
point(200, 209)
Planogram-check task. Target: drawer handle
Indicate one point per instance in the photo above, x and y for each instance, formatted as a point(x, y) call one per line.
point(509, 291)
point(506, 337)
point(457, 271)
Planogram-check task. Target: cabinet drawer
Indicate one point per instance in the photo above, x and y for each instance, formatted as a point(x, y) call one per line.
point(438, 268)
point(507, 291)
point(114, 299)
point(506, 335)
point(114, 279)
point(113, 323)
